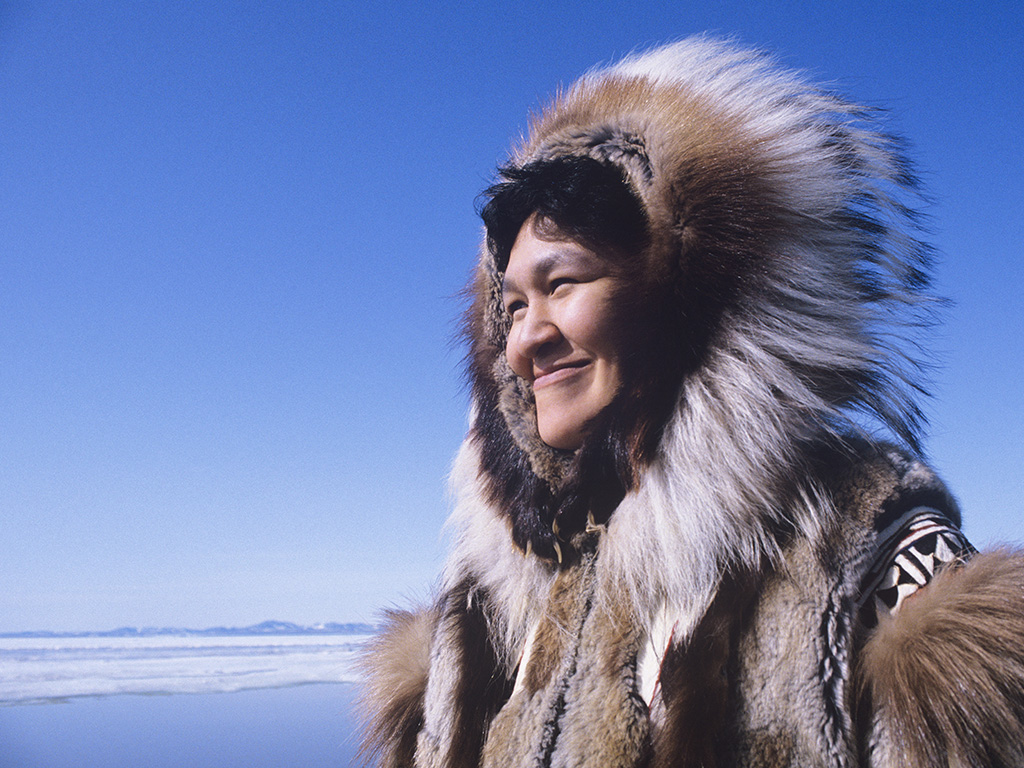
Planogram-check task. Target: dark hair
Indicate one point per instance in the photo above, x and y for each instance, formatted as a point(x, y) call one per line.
point(583, 198)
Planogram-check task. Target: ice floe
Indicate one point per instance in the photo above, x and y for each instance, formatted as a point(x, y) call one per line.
point(43, 669)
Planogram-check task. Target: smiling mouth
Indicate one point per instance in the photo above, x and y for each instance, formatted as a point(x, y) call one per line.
point(561, 373)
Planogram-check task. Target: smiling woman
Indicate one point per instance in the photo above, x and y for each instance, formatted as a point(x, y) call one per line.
point(563, 340)
point(569, 233)
point(678, 543)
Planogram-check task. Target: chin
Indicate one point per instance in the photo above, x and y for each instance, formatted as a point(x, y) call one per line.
point(564, 439)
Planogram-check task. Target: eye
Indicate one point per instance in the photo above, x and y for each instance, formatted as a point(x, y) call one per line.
point(560, 282)
point(515, 306)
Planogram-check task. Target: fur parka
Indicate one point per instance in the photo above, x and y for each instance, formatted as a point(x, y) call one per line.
point(745, 563)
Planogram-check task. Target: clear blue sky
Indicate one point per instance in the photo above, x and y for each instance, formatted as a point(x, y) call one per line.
point(232, 237)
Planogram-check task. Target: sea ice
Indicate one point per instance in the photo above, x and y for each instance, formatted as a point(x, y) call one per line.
point(44, 669)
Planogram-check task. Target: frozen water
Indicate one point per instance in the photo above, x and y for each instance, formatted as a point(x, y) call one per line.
point(42, 669)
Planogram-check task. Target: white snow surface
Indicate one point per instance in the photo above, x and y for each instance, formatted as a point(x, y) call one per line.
point(46, 669)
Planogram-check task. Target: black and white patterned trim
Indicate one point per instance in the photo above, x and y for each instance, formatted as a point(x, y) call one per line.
point(910, 551)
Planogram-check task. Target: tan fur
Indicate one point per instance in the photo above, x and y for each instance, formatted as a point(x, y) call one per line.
point(395, 665)
point(605, 688)
point(948, 671)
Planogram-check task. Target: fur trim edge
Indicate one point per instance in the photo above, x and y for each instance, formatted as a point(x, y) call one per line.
point(947, 672)
point(395, 666)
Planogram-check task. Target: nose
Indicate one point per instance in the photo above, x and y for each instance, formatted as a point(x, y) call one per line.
point(532, 335)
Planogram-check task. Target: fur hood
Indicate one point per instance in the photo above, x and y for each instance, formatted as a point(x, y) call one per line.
point(783, 273)
point(726, 518)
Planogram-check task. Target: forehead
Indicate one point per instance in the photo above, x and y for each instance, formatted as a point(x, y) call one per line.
point(533, 256)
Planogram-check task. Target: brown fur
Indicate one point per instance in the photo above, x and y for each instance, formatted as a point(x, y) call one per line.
point(554, 631)
point(947, 673)
point(695, 681)
point(395, 666)
point(483, 685)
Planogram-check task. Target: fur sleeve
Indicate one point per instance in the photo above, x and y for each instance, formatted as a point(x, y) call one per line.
point(946, 673)
point(395, 665)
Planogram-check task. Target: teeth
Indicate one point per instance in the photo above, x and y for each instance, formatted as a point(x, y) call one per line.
point(558, 551)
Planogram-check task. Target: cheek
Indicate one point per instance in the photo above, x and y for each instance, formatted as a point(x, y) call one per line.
point(598, 328)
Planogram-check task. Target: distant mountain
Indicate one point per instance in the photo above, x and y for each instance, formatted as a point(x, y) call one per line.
point(263, 628)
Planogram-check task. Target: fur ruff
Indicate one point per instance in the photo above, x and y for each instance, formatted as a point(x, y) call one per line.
point(947, 672)
point(779, 221)
point(782, 250)
point(395, 666)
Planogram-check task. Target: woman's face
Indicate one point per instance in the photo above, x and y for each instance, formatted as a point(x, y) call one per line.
point(564, 335)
